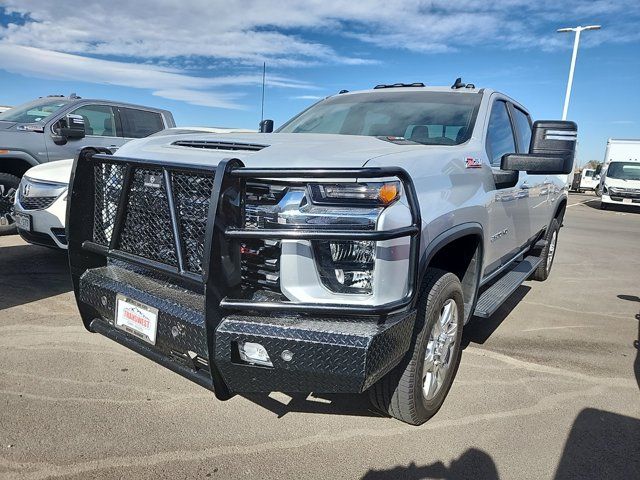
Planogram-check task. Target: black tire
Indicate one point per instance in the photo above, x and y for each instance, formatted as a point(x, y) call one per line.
point(400, 393)
point(8, 189)
point(548, 252)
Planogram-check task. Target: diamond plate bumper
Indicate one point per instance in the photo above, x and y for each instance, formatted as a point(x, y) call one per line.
point(329, 355)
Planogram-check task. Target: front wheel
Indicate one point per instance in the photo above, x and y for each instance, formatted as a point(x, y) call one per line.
point(415, 390)
point(8, 188)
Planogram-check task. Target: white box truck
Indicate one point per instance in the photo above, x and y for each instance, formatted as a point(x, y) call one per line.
point(620, 180)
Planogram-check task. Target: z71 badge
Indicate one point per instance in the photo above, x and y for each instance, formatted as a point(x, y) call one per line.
point(471, 162)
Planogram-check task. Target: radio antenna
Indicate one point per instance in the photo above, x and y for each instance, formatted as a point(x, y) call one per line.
point(264, 73)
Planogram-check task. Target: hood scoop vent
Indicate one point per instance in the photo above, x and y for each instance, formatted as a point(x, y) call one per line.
point(213, 145)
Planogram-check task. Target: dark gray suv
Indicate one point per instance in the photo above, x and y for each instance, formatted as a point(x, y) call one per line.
point(57, 127)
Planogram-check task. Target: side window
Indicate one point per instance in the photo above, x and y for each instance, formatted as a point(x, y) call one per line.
point(500, 139)
point(523, 129)
point(99, 120)
point(140, 123)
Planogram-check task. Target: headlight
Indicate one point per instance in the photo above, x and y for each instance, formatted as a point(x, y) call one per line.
point(346, 266)
point(356, 194)
point(613, 190)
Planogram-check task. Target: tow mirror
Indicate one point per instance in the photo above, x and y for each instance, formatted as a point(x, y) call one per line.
point(266, 126)
point(551, 152)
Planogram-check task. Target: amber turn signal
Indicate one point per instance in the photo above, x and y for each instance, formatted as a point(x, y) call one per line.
point(388, 192)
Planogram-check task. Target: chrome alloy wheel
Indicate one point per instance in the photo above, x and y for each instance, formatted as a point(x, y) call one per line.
point(7, 197)
point(552, 249)
point(440, 350)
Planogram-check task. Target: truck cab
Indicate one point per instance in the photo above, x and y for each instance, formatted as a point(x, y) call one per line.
point(57, 127)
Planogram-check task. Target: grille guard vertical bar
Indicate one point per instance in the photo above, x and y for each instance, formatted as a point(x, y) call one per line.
point(217, 284)
point(175, 224)
point(122, 204)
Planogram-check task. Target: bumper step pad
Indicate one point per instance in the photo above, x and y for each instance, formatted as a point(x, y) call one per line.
point(327, 355)
point(494, 296)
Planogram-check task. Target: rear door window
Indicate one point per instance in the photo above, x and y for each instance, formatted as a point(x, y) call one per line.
point(523, 129)
point(140, 123)
point(99, 120)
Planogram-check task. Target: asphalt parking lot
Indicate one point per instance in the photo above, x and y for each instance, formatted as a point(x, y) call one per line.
point(548, 388)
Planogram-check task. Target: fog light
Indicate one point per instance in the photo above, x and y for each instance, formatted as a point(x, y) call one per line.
point(346, 266)
point(254, 353)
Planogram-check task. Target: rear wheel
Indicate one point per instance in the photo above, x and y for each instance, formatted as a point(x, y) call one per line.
point(415, 390)
point(8, 188)
point(548, 252)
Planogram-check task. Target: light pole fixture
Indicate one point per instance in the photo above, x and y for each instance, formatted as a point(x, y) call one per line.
point(576, 42)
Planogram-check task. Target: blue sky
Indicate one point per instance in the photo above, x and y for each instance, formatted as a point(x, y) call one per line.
point(203, 59)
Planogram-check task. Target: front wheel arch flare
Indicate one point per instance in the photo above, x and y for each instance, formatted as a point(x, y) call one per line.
point(435, 256)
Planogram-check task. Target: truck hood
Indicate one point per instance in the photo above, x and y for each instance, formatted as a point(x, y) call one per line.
point(269, 150)
point(59, 171)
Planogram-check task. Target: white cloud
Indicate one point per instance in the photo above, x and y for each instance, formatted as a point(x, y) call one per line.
point(163, 82)
point(253, 31)
point(160, 42)
point(307, 97)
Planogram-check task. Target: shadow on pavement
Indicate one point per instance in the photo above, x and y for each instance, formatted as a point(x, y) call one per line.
point(636, 343)
point(478, 330)
point(472, 464)
point(595, 204)
point(29, 273)
point(601, 445)
point(326, 404)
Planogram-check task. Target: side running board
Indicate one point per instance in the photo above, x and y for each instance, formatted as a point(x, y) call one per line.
point(494, 296)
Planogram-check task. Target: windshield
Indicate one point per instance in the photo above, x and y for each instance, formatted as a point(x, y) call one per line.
point(624, 170)
point(429, 118)
point(35, 111)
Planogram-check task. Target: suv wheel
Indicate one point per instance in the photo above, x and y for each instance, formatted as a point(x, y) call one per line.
point(548, 253)
point(8, 188)
point(415, 390)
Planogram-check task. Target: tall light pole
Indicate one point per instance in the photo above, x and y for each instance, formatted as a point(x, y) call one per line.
point(576, 42)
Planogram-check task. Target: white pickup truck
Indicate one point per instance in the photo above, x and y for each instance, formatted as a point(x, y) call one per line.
point(344, 252)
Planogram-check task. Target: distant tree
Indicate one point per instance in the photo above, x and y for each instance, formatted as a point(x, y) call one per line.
point(592, 164)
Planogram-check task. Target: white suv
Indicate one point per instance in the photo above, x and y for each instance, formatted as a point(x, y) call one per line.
point(41, 203)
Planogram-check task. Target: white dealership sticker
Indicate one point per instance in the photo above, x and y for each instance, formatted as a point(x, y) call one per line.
point(137, 319)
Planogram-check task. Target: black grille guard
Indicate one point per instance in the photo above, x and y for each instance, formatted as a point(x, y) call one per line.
point(221, 269)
